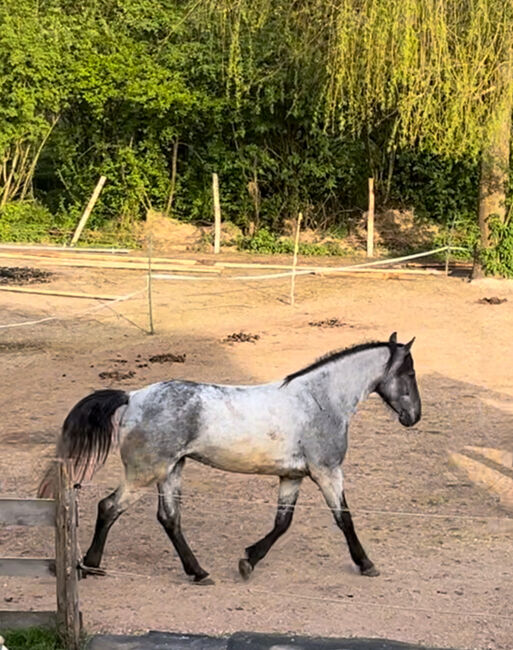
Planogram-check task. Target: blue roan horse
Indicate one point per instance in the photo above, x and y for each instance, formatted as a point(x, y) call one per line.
point(292, 429)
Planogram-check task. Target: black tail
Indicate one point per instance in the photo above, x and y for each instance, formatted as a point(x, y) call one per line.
point(86, 437)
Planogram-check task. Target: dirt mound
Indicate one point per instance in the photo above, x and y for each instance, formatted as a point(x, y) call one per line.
point(169, 234)
point(396, 230)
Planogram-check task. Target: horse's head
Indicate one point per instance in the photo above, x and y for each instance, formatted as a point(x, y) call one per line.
point(398, 386)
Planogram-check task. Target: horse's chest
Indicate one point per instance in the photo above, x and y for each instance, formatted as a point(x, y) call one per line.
point(326, 446)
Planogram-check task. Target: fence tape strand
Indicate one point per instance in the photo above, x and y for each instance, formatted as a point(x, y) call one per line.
point(84, 312)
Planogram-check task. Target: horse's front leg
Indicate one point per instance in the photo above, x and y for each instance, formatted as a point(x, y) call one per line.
point(169, 516)
point(287, 497)
point(330, 482)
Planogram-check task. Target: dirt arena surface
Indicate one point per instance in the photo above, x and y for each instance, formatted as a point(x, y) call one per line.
point(443, 545)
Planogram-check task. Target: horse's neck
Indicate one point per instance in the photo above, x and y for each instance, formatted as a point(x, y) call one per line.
point(344, 383)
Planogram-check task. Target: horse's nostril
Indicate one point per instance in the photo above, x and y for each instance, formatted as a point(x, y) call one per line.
point(406, 419)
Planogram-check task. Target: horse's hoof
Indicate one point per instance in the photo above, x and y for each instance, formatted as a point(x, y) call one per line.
point(245, 569)
point(203, 580)
point(84, 571)
point(370, 571)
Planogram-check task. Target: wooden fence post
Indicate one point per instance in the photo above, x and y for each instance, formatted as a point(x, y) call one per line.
point(149, 286)
point(172, 184)
point(88, 210)
point(370, 220)
point(66, 561)
point(217, 213)
point(294, 260)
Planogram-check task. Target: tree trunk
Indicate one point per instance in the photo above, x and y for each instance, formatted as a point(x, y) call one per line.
point(495, 173)
point(494, 177)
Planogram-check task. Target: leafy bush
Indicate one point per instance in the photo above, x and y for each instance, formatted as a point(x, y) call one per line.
point(268, 243)
point(461, 234)
point(436, 187)
point(498, 259)
point(27, 222)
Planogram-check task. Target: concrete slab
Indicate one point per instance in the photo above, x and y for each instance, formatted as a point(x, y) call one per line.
point(157, 641)
point(252, 641)
point(241, 641)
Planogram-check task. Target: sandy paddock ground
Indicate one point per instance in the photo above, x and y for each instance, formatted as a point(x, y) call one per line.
point(443, 545)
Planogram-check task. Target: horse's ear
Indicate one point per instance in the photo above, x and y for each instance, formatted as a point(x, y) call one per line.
point(408, 345)
point(393, 339)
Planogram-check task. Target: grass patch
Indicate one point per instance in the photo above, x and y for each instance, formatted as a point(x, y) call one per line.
point(32, 222)
point(269, 243)
point(26, 222)
point(33, 638)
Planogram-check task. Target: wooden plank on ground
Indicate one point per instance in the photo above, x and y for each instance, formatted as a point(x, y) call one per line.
point(383, 271)
point(16, 620)
point(107, 256)
point(255, 265)
point(27, 512)
point(384, 274)
point(43, 248)
point(26, 567)
point(141, 265)
point(62, 294)
point(325, 269)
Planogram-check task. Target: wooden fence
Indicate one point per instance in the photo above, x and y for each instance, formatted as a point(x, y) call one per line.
point(61, 514)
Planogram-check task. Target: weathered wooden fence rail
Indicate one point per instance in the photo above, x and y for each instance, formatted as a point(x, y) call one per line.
point(61, 515)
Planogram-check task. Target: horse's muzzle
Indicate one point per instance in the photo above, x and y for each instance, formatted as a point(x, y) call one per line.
point(408, 419)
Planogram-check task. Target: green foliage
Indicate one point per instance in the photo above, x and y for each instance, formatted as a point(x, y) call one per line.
point(32, 639)
point(294, 105)
point(293, 171)
point(436, 187)
point(498, 259)
point(368, 64)
point(462, 235)
point(267, 242)
point(27, 222)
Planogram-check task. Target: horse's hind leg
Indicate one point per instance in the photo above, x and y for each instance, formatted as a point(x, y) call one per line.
point(330, 482)
point(109, 510)
point(287, 497)
point(169, 516)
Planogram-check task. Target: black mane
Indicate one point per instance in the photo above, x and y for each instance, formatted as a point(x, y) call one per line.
point(333, 356)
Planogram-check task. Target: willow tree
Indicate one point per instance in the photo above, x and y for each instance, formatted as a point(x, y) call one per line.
point(441, 70)
point(435, 75)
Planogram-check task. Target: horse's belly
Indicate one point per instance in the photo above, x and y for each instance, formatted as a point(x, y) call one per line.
point(251, 456)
